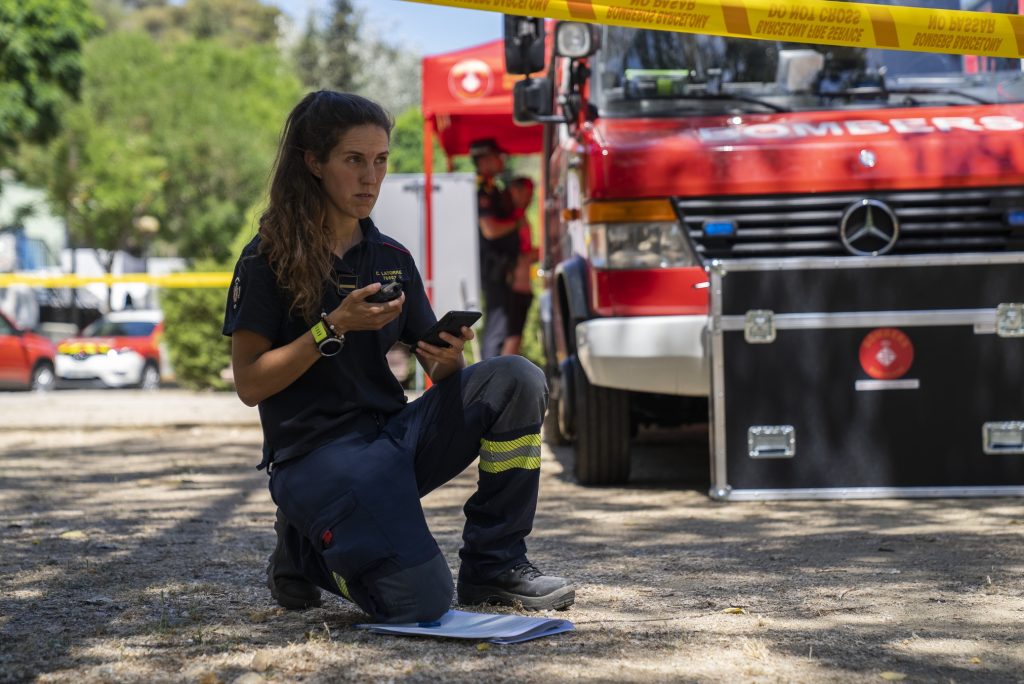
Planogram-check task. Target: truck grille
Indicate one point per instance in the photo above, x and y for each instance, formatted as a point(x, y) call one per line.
point(930, 221)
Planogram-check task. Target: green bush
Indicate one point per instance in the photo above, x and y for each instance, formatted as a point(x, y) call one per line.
point(192, 323)
point(531, 346)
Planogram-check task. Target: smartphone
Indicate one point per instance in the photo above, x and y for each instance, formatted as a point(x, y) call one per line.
point(452, 322)
point(392, 290)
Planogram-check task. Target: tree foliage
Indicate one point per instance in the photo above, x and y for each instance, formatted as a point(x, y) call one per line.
point(184, 132)
point(40, 65)
point(406, 154)
point(220, 131)
point(308, 55)
point(327, 56)
point(391, 75)
point(343, 62)
point(238, 23)
point(339, 52)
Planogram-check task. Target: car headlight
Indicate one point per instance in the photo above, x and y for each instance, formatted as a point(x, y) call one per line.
point(647, 244)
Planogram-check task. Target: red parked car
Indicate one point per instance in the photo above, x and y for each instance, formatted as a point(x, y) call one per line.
point(26, 359)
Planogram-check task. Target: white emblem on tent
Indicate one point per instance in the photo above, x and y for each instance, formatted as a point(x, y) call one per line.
point(470, 79)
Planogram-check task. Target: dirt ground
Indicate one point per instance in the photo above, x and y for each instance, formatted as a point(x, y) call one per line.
point(134, 530)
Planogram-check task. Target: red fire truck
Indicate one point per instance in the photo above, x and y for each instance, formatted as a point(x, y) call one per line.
point(821, 181)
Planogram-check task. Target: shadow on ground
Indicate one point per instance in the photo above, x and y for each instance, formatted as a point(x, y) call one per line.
point(139, 556)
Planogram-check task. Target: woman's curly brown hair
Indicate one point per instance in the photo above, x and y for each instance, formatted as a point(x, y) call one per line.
point(293, 233)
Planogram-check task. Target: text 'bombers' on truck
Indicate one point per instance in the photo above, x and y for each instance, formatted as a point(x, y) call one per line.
point(668, 153)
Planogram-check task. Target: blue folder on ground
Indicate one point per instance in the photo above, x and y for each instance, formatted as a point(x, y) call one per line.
point(496, 629)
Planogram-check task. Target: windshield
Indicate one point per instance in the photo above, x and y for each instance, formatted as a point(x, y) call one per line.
point(662, 73)
point(107, 328)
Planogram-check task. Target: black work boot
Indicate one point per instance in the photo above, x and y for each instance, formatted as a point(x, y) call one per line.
point(288, 587)
point(521, 585)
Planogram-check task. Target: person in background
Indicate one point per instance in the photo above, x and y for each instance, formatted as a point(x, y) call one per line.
point(348, 456)
point(521, 296)
point(498, 222)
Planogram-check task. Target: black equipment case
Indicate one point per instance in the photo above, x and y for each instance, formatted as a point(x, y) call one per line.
point(867, 377)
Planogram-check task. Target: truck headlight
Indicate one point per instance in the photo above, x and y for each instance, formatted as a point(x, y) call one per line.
point(647, 244)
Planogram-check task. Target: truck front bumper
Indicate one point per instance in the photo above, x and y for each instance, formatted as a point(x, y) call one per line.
point(659, 354)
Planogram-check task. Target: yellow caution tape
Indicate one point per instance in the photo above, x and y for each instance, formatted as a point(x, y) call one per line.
point(802, 21)
point(219, 280)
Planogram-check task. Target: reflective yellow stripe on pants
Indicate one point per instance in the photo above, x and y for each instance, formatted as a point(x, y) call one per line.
point(523, 452)
point(342, 585)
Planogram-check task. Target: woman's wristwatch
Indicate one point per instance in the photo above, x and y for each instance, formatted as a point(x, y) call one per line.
point(327, 338)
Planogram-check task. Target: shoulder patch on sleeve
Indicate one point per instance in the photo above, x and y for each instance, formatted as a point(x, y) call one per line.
point(394, 245)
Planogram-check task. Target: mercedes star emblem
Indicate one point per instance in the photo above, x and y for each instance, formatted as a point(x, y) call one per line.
point(868, 159)
point(869, 228)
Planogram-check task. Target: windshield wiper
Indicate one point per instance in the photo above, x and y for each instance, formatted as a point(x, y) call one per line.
point(923, 90)
point(727, 97)
point(877, 91)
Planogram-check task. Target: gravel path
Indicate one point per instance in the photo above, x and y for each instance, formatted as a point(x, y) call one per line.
point(134, 531)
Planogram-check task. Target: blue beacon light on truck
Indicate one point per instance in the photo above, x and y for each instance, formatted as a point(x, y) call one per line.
point(719, 228)
point(1015, 217)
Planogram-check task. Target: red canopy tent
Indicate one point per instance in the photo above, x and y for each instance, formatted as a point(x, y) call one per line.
point(467, 95)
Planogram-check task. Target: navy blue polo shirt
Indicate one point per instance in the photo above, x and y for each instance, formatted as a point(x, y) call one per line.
point(322, 403)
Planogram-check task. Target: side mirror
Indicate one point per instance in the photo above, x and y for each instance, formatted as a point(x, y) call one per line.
point(533, 102)
point(524, 45)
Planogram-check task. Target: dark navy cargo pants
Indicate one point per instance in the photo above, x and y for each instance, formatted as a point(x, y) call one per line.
point(356, 526)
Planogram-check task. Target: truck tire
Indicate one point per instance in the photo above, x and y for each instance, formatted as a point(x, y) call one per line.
point(550, 431)
point(602, 424)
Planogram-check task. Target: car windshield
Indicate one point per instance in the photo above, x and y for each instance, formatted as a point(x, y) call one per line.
point(660, 73)
point(107, 328)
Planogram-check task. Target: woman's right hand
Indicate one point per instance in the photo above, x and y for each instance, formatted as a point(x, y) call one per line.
point(355, 313)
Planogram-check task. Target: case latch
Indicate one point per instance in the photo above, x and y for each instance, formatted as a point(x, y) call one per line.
point(771, 441)
point(1010, 320)
point(1003, 437)
point(759, 327)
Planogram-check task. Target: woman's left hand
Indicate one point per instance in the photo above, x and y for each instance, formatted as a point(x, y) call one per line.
point(434, 357)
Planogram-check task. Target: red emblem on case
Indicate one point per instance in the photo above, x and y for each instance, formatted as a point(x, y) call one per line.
point(886, 354)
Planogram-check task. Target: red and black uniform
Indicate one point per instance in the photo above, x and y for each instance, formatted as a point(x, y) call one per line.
point(497, 260)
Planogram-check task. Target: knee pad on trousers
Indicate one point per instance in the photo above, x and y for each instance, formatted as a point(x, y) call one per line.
point(422, 593)
point(520, 371)
point(516, 387)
